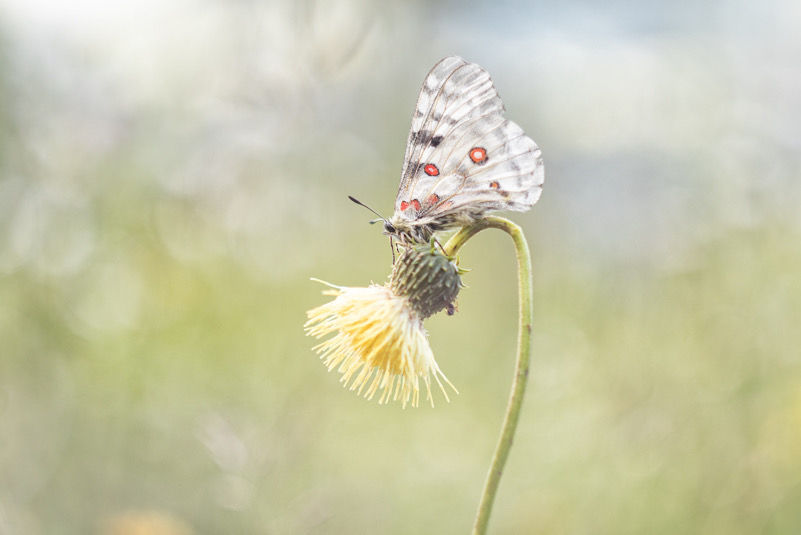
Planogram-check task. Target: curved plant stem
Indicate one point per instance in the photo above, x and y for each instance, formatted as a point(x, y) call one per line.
point(523, 355)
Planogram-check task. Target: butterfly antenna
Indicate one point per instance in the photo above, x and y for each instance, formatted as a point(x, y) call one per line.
point(388, 228)
point(360, 203)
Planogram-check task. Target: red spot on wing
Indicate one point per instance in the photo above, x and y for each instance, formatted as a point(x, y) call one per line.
point(432, 199)
point(431, 169)
point(494, 185)
point(478, 154)
point(414, 203)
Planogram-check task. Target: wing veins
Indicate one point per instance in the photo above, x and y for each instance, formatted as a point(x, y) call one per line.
point(415, 157)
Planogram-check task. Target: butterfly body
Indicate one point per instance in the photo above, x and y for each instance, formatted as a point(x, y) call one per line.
point(463, 158)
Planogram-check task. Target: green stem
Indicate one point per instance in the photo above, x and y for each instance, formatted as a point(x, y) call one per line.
point(523, 355)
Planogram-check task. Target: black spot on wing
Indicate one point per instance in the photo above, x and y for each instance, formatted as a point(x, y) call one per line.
point(414, 168)
point(436, 140)
point(420, 137)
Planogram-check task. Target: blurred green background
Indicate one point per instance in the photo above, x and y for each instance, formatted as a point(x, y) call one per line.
point(173, 173)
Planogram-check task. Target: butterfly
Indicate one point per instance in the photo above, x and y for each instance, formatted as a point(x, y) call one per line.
point(463, 159)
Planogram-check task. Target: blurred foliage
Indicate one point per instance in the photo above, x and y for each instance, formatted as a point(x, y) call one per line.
point(161, 214)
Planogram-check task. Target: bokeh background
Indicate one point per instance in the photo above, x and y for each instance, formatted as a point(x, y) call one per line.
point(172, 173)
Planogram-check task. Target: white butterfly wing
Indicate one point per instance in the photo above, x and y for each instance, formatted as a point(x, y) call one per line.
point(510, 176)
point(480, 160)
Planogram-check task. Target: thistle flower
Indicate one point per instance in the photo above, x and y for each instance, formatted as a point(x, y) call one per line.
point(380, 343)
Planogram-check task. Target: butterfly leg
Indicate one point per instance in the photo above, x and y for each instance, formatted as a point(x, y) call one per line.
point(435, 242)
point(398, 244)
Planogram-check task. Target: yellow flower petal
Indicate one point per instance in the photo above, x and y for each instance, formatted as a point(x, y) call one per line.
point(380, 344)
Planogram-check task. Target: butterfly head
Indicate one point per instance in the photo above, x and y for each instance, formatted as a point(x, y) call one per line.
point(400, 228)
point(389, 228)
point(407, 231)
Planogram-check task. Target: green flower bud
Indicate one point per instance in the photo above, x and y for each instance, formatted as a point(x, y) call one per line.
point(427, 278)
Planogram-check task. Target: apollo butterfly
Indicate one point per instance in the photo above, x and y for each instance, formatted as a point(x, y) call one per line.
point(463, 159)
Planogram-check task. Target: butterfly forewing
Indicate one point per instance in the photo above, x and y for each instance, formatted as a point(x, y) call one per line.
point(452, 92)
point(462, 157)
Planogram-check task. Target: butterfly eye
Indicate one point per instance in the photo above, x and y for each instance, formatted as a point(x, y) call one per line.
point(478, 155)
point(389, 228)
